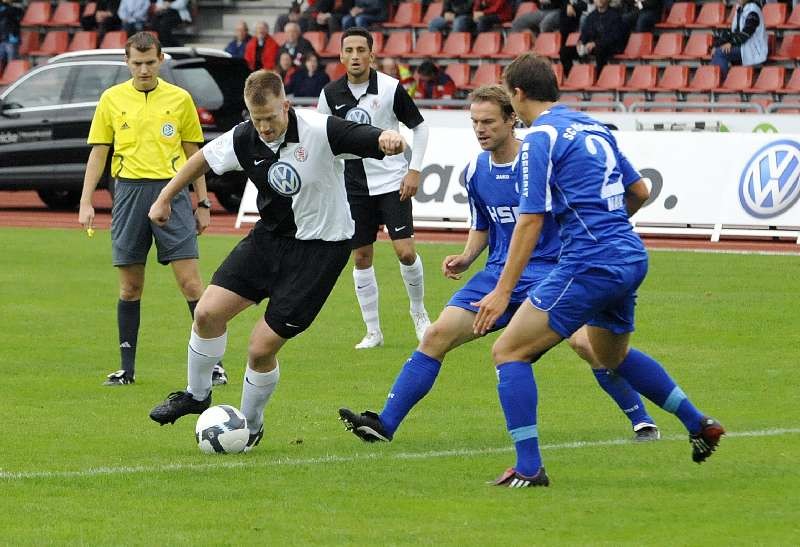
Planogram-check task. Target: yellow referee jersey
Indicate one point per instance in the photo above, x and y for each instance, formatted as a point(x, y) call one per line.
point(146, 129)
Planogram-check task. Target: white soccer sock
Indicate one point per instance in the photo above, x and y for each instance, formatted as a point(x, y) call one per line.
point(204, 353)
point(415, 284)
point(256, 391)
point(367, 294)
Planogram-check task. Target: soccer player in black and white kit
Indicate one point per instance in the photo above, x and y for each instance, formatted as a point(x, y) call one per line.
point(379, 191)
point(295, 252)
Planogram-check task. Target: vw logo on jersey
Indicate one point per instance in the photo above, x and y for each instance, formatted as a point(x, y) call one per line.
point(358, 115)
point(770, 183)
point(283, 178)
point(167, 129)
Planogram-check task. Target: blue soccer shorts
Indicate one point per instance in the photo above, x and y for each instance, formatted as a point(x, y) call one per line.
point(600, 295)
point(483, 282)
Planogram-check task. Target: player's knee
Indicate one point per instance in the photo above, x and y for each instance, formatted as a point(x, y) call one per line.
point(206, 320)
point(362, 258)
point(581, 346)
point(436, 342)
point(131, 291)
point(407, 256)
point(192, 289)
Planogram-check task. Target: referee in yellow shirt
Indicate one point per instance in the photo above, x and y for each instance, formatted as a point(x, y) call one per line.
point(153, 127)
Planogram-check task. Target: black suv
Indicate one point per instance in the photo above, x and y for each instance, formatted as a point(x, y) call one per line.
point(45, 118)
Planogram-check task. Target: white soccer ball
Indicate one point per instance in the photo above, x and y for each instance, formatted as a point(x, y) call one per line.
point(221, 429)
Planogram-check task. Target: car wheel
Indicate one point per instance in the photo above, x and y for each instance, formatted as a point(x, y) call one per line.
point(230, 200)
point(60, 200)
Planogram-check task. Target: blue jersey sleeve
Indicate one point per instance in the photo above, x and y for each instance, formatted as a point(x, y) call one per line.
point(628, 171)
point(535, 170)
point(477, 214)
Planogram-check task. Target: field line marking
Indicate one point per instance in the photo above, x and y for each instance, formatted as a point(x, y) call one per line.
point(321, 460)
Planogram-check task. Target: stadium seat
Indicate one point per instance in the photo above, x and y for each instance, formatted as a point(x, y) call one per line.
point(706, 78)
point(774, 15)
point(459, 73)
point(456, 45)
point(548, 44)
point(377, 42)
point(334, 46)
point(335, 70)
point(793, 85)
point(789, 49)
point(663, 99)
point(668, 46)
point(522, 9)
point(631, 98)
point(558, 69)
point(698, 47)
point(611, 78)
point(639, 43)
point(279, 37)
point(580, 78)
point(83, 39)
point(712, 15)
point(486, 74)
point(28, 40)
point(66, 14)
point(406, 16)
point(486, 45)
point(36, 15)
point(114, 40)
point(674, 78)
point(572, 39)
point(680, 15)
point(643, 78)
point(434, 10)
point(728, 21)
point(429, 44)
point(14, 69)
point(398, 44)
point(695, 98)
point(729, 99)
point(601, 103)
point(55, 42)
point(738, 79)
point(770, 80)
point(516, 43)
point(793, 22)
point(317, 38)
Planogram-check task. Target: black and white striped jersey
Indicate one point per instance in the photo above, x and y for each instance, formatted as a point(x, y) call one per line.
point(384, 104)
point(301, 190)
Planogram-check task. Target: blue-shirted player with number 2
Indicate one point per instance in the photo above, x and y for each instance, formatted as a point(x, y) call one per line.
point(570, 166)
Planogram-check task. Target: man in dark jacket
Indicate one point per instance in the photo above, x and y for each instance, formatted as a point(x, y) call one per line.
point(365, 13)
point(295, 45)
point(603, 35)
point(309, 80)
point(241, 36)
point(456, 14)
point(327, 15)
point(10, 17)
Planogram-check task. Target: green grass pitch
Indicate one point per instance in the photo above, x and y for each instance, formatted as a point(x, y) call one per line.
point(83, 464)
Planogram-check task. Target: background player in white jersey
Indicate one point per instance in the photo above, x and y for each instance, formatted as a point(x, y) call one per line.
point(379, 191)
point(492, 187)
point(572, 169)
point(295, 252)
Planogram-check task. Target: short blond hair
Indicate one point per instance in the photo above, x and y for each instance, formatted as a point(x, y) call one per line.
point(261, 86)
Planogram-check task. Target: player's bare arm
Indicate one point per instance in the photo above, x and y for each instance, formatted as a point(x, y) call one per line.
point(409, 185)
point(635, 196)
point(526, 235)
point(454, 265)
point(94, 170)
point(391, 142)
point(202, 215)
point(194, 167)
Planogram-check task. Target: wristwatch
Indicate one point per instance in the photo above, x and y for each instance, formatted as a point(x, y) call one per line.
point(204, 203)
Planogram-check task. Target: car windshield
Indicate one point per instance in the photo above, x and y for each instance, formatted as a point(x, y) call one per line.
point(92, 80)
point(199, 83)
point(44, 88)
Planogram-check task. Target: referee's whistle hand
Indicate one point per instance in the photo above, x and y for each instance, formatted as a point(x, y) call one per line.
point(391, 143)
point(159, 212)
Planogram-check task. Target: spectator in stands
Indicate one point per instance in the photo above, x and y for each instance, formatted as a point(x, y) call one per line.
point(10, 16)
point(642, 15)
point(309, 80)
point(133, 15)
point(295, 15)
point(295, 45)
point(241, 36)
point(571, 15)
point(261, 51)
point(286, 68)
point(603, 35)
point(401, 72)
point(104, 18)
point(167, 17)
point(545, 19)
point(746, 42)
point(365, 13)
point(433, 83)
point(328, 14)
point(488, 13)
point(456, 16)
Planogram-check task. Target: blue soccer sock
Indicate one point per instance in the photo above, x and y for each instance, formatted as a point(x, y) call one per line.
point(623, 394)
point(650, 379)
point(412, 384)
point(518, 397)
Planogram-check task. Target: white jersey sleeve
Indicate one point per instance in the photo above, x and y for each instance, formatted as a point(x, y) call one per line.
point(220, 156)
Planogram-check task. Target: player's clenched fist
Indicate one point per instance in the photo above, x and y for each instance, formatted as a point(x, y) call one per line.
point(160, 211)
point(391, 143)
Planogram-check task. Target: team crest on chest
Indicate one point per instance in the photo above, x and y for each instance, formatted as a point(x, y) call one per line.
point(358, 115)
point(300, 154)
point(167, 129)
point(283, 178)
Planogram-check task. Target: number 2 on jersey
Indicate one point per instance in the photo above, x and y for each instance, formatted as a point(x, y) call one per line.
point(611, 191)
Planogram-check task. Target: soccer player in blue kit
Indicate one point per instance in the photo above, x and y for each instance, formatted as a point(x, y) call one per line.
point(570, 167)
point(492, 188)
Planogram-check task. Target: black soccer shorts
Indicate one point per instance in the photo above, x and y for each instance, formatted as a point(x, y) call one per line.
point(370, 212)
